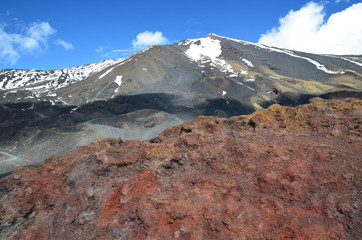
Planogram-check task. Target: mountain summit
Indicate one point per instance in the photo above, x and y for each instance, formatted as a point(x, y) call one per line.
point(253, 74)
point(47, 112)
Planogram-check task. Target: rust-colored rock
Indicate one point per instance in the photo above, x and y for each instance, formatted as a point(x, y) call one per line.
point(279, 173)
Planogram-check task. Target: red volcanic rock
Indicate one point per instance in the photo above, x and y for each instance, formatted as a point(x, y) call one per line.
point(279, 173)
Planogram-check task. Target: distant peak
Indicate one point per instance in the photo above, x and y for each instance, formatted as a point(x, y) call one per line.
point(213, 35)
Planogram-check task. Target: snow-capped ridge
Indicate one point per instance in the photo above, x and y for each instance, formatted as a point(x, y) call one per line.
point(51, 79)
point(318, 65)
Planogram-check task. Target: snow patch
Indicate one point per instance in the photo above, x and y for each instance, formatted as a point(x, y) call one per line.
point(73, 109)
point(118, 80)
point(186, 42)
point(204, 49)
point(104, 74)
point(61, 100)
point(223, 66)
point(247, 62)
point(252, 89)
point(207, 50)
point(290, 53)
point(349, 60)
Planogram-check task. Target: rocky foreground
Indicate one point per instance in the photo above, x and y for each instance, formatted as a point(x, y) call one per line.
point(279, 173)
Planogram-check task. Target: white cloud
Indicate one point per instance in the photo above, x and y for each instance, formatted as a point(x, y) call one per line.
point(338, 1)
point(40, 31)
point(33, 39)
point(306, 30)
point(8, 54)
point(148, 38)
point(66, 45)
point(143, 40)
point(29, 43)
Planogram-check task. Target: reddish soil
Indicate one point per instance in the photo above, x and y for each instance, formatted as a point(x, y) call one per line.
point(279, 173)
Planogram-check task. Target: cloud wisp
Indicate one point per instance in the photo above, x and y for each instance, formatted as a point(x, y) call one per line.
point(33, 39)
point(64, 44)
point(306, 30)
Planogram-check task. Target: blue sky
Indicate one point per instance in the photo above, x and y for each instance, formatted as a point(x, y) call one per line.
point(45, 34)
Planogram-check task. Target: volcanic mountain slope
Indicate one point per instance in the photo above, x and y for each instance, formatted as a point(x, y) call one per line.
point(207, 68)
point(208, 76)
point(279, 173)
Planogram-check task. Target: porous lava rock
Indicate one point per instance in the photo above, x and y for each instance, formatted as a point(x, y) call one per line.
point(279, 173)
